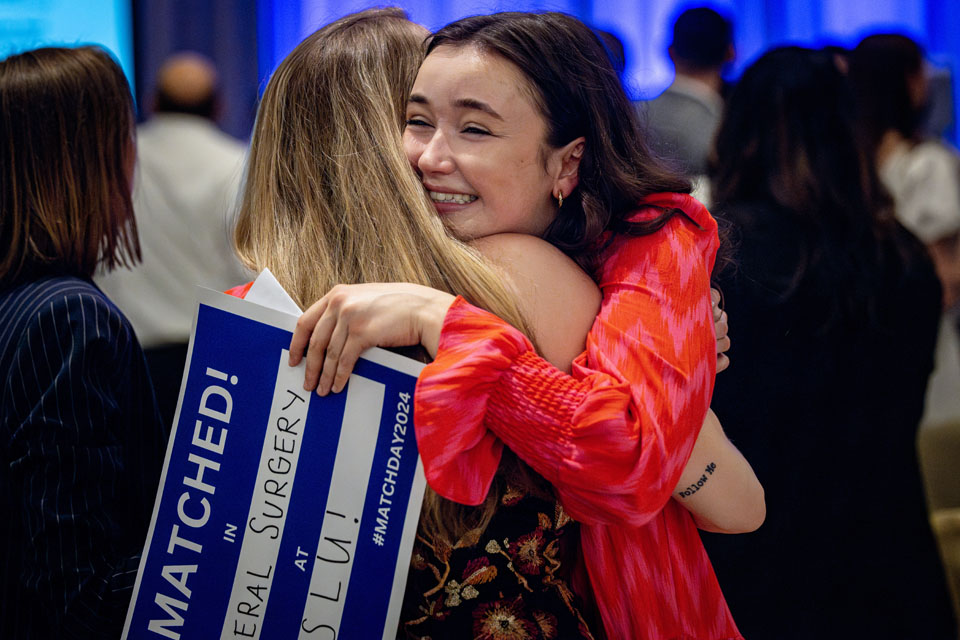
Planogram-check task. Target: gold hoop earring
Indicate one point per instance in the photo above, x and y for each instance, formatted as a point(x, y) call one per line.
point(559, 199)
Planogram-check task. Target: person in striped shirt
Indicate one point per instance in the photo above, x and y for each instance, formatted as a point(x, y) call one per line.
point(81, 440)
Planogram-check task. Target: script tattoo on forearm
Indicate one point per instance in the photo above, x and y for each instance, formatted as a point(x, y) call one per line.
point(696, 486)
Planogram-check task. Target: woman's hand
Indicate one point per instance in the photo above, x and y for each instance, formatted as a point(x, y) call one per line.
point(350, 319)
point(721, 328)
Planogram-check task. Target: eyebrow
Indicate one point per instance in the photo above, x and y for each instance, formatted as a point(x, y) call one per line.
point(465, 103)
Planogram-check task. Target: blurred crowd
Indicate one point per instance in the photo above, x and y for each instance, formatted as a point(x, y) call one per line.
point(843, 218)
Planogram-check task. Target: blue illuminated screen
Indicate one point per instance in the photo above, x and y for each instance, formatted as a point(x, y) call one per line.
point(28, 24)
point(645, 27)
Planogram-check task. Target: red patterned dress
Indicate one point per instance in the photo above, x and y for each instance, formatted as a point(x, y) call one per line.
point(613, 437)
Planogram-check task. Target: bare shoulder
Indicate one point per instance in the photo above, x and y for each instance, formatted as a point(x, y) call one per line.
point(560, 300)
point(530, 257)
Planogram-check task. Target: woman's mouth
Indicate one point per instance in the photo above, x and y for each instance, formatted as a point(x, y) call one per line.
point(452, 198)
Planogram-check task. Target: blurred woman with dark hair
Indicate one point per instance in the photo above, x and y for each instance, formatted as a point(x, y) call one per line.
point(837, 309)
point(81, 441)
point(890, 87)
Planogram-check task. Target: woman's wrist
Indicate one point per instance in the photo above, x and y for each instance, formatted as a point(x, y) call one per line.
point(430, 317)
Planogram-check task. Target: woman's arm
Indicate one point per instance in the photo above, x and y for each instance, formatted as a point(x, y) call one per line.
point(613, 446)
point(561, 304)
point(614, 436)
point(718, 485)
point(945, 253)
point(558, 300)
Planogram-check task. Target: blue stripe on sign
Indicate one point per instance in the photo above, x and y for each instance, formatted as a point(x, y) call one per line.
point(307, 504)
point(375, 563)
point(237, 347)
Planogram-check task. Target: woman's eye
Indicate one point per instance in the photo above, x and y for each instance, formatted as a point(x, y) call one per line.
point(416, 122)
point(476, 130)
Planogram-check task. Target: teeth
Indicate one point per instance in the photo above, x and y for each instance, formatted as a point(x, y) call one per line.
point(456, 198)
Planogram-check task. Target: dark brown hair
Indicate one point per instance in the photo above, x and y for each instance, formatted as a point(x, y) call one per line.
point(66, 145)
point(787, 142)
point(579, 94)
point(882, 67)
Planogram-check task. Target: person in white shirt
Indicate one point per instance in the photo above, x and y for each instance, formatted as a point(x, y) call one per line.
point(889, 80)
point(185, 189)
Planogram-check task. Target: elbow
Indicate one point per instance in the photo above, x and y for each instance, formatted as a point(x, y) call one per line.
point(751, 515)
point(755, 514)
point(748, 517)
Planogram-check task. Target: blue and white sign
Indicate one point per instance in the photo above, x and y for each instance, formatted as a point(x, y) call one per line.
point(280, 514)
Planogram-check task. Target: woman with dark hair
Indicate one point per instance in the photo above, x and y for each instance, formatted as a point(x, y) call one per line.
point(507, 137)
point(889, 79)
point(81, 440)
point(837, 309)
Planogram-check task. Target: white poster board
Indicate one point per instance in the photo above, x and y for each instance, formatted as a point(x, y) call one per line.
point(280, 514)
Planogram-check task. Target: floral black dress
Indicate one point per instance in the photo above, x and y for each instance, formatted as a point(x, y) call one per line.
point(509, 582)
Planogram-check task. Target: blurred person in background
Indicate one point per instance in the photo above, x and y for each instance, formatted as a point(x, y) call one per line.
point(889, 78)
point(614, 46)
point(684, 118)
point(81, 441)
point(185, 190)
point(837, 310)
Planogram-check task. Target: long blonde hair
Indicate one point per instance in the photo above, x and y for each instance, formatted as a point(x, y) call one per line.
point(330, 197)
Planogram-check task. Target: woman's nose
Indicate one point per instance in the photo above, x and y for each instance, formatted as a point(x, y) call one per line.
point(436, 156)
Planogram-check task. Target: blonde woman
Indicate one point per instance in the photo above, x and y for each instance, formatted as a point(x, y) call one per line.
point(330, 198)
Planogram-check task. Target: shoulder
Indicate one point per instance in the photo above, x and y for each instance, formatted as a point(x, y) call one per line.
point(66, 293)
point(692, 209)
point(533, 263)
point(768, 243)
point(935, 151)
point(925, 183)
point(686, 242)
point(183, 134)
point(67, 305)
point(227, 149)
point(519, 248)
point(31, 298)
point(926, 162)
point(58, 316)
point(558, 299)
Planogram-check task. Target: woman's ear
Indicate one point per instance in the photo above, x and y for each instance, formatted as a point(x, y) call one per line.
point(568, 176)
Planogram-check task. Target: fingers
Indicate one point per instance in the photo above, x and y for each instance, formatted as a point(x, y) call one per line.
point(348, 360)
point(302, 333)
point(349, 319)
point(722, 362)
point(318, 347)
point(339, 337)
point(332, 357)
point(715, 301)
point(723, 345)
point(721, 326)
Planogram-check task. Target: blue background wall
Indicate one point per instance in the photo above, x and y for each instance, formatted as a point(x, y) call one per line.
point(27, 24)
point(645, 26)
point(247, 38)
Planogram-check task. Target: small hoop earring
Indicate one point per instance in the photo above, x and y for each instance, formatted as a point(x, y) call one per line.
point(559, 199)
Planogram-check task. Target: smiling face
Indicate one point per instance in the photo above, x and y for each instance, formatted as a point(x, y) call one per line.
point(478, 142)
